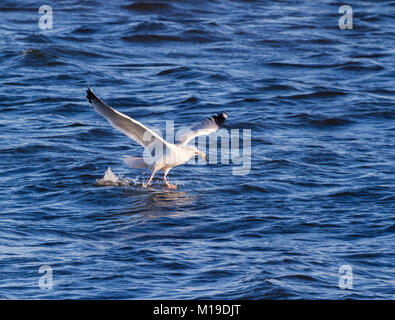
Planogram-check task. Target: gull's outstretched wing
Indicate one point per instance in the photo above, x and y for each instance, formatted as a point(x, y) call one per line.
point(205, 127)
point(128, 126)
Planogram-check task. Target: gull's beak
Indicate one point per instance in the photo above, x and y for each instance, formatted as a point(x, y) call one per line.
point(202, 154)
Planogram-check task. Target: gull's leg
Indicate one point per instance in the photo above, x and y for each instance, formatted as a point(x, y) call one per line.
point(149, 180)
point(168, 185)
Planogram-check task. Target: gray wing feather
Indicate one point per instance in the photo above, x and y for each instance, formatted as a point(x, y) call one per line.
point(205, 127)
point(128, 126)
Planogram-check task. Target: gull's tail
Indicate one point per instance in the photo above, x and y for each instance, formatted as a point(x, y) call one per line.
point(135, 162)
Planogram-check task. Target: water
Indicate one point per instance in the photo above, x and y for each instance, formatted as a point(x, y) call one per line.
point(320, 194)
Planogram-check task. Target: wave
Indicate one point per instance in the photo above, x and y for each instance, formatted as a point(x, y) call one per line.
point(38, 57)
point(331, 122)
point(148, 6)
point(317, 121)
point(173, 71)
point(152, 38)
point(314, 95)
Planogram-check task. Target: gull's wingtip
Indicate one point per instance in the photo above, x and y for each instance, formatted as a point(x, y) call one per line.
point(220, 118)
point(89, 94)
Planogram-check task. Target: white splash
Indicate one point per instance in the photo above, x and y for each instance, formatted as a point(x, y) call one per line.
point(110, 179)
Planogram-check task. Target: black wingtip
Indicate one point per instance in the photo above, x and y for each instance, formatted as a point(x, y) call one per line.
point(90, 95)
point(220, 119)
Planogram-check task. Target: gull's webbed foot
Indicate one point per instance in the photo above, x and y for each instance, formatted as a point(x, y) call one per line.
point(171, 186)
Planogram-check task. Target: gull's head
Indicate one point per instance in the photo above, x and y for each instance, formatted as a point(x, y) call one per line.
point(201, 154)
point(195, 152)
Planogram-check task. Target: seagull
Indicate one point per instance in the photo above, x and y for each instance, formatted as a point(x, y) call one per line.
point(172, 155)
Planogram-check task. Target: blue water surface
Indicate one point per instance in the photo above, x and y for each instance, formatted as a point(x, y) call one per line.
point(319, 102)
